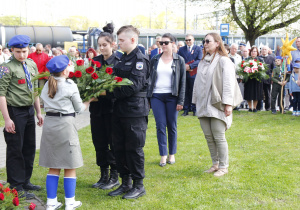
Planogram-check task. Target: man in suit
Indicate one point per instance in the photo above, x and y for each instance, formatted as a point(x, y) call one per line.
point(192, 55)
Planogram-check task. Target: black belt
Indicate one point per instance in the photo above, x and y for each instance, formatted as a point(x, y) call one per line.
point(58, 114)
point(141, 94)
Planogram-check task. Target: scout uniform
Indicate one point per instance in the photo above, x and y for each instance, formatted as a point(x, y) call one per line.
point(60, 148)
point(16, 87)
point(277, 76)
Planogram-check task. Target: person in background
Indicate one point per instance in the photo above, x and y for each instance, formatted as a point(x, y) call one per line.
point(90, 54)
point(233, 54)
point(166, 92)
point(270, 52)
point(32, 49)
point(17, 104)
point(60, 147)
point(6, 51)
point(242, 46)
point(192, 55)
point(278, 51)
point(3, 56)
point(78, 55)
point(295, 89)
point(180, 44)
point(71, 55)
point(48, 46)
point(245, 53)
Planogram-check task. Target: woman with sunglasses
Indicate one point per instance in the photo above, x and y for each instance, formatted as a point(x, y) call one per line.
point(215, 68)
point(166, 91)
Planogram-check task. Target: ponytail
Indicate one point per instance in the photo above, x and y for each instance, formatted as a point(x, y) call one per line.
point(52, 84)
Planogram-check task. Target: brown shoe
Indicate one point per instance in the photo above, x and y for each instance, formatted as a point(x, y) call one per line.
point(221, 172)
point(212, 169)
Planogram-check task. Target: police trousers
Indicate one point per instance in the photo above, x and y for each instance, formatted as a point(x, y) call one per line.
point(129, 136)
point(20, 151)
point(102, 140)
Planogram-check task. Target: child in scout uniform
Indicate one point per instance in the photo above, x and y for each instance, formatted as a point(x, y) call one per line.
point(295, 89)
point(60, 147)
point(277, 78)
point(17, 103)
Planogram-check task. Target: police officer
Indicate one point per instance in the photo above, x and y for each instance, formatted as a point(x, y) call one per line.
point(17, 98)
point(101, 117)
point(130, 115)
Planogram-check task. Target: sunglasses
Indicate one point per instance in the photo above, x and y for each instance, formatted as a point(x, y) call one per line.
point(166, 42)
point(188, 40)
point(206, 41)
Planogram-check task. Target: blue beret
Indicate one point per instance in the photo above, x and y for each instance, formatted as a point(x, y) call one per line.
point(278, 57)
point(58, 64)
point(296, 65)
point(19, 41)
point(243, 44)
point(297, 59)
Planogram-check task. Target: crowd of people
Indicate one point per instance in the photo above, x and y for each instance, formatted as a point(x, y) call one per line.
point(168, 77)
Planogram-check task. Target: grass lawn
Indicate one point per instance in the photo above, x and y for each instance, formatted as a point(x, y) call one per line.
point(264, 169)
point(1, 120)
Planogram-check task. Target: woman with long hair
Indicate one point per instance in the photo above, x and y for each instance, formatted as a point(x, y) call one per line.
point(215, 72)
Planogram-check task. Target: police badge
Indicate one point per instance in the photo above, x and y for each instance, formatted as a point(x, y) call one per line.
point(139, 65)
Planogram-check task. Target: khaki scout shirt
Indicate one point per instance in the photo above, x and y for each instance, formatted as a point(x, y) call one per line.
point(13, 84)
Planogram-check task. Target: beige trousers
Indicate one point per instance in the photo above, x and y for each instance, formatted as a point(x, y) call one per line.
point(214, 131)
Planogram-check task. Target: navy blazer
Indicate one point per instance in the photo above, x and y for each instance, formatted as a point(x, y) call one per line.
point(195, 54)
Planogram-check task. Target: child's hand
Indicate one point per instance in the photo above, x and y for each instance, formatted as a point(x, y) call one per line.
point(284, 83)
point(298, 82)
point(280, 83)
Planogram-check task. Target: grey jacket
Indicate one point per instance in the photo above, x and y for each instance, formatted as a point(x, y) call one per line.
point(178, 77)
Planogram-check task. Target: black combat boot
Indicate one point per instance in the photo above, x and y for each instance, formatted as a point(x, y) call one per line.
point(112, 182)
point(137, 190)
point(125, 186)
point(103, 179)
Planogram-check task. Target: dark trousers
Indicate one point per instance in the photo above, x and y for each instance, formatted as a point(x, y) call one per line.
point(165, 113)
point(296, 101)
point(189, 86)
point(20, 151)
point(129, 136)
point(267, 93)
point(102, 140)
point(276, 92)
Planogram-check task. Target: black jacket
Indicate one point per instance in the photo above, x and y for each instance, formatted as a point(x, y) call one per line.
point(178, 77)
point(270, 60)
point(131, 100)
point(104, 105)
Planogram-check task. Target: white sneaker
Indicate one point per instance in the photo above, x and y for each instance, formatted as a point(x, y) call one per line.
point(294, 113)
point(53, 204)
point(298, 113)
point(72, 204)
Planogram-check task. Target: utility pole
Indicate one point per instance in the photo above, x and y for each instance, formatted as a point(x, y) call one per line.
point(166, 17)
point(184, 16)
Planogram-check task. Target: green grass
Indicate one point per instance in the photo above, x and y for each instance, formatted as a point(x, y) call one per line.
point(2, 123)
point(264, 170)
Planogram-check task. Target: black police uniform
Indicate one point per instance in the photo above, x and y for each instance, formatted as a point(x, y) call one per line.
point(101, 122)
point(130, 116)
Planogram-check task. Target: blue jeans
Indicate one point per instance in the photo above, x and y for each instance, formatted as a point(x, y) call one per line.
point(165, 113)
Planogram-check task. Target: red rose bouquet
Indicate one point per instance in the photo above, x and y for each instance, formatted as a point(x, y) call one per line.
point(94, 79)
point(253, 69)
point(9, 199)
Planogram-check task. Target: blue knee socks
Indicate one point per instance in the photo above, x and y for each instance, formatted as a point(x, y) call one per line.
point(70, 186)
point(51, 185)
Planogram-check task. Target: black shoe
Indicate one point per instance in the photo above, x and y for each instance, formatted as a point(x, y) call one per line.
point(124, 188)
point(250, 110)
point(273, 111)
point(137, 190)
point(30, 186)
point(185, 113)
point(26, 195)
point(254, 110)
point(162, 164)
point(194, 113)
point(103, 179)
point(268, 109)
point(112, 182)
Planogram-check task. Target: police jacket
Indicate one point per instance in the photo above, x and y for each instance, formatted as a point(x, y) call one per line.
point(104, 105)
point(178, 77)
point(131, 100)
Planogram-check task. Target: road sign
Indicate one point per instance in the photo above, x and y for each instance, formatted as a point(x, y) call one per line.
point(224, 29)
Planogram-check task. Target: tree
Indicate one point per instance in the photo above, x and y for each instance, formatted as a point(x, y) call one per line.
point(78, 23)
point(259, 17)
point(11, 20)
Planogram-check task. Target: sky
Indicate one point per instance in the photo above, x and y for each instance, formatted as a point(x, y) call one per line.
point(118, 11)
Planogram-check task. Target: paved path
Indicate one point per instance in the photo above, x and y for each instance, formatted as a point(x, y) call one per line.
point(82, 121)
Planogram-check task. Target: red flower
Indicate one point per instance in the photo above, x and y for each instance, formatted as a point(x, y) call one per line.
point(80, 62)
point(71, 74)
point(32, 206)
point(95, 76)
point(16, 201)
point(119, 79)
point(109, 70)
point(243, 61)
point(1, 186)
point(90, 70)
point(260, 63)
point(77, 74)
point(6, 190)
point(15, 192)
point(242, 65)
point(98, 64)
point(90, 59)
point(251, 64)
point(93, 63)
point(1, 196)
point(255, 60)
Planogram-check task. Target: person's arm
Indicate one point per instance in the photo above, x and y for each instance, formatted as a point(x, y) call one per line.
point(38, 111)
point(9, 124)
point(181, 86)
point(228, 85)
